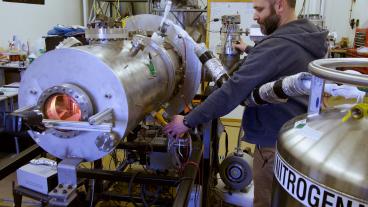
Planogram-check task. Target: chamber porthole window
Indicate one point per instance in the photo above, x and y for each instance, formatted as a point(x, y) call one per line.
point(62, 107)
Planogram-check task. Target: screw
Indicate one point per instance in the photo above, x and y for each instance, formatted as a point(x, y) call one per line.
point(60, 186)
point(34, 92)
point(65, 191)
point(108, 96)
point(55, 191)
point(70, 186)
point(179, 36)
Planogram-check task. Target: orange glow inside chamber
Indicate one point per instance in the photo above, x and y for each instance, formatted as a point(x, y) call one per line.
point(62, 107)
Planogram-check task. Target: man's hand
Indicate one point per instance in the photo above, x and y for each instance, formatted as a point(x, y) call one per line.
point(176, 127)
point(241, 46)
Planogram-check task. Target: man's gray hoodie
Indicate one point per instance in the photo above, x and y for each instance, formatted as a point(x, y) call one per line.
point(285, 52)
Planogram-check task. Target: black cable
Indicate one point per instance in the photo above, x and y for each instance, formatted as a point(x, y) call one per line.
point(226, 142)
point(215, 147)
point(130, 189)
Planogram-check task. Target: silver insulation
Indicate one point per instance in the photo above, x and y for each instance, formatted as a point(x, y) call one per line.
point(297, 85)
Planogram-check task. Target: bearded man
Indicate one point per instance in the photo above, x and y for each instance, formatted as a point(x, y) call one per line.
point(287, 49)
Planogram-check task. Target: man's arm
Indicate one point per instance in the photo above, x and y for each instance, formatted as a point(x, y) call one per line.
point(256, 70)
point(242, 47)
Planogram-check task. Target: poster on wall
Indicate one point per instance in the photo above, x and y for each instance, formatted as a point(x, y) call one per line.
point(27, 1)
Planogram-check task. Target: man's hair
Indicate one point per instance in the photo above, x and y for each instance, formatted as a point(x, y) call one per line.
point(291, 3)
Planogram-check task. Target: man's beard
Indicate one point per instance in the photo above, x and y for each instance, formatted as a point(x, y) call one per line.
point(271, 23)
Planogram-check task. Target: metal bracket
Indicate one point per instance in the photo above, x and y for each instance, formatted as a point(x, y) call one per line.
point(77, 125)
point(103, 116)
point(21, 111)
point(315, 98)
point(65, 192)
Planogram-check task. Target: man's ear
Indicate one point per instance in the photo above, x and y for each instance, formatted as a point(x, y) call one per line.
point(279, 6)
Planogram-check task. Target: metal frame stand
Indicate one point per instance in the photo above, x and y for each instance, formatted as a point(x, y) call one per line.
point(65, 192)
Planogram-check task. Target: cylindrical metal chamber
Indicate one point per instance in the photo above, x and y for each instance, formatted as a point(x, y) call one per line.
point(230, 35)
point(321, 160)
point(72, 85)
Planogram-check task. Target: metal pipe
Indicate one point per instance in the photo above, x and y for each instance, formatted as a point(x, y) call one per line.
point(326, 69)
point(85, 12)
point(126, 177)
point(190, 172)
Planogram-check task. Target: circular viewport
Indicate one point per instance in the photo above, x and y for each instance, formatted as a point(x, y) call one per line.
point(62, 107)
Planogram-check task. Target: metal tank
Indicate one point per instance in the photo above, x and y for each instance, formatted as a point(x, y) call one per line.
point(321, 157)
point(91, 96)
point(230, 35)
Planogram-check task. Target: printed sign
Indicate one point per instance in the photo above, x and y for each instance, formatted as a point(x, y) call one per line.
point(308, 192)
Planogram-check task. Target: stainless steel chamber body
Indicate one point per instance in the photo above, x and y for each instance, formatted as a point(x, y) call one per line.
point(320, 159)
point(111, 87)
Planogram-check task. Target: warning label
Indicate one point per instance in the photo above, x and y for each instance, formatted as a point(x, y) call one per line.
point(308, 192)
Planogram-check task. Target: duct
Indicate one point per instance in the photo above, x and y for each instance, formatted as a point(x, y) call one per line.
point(297, 85)
point(212, 64)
